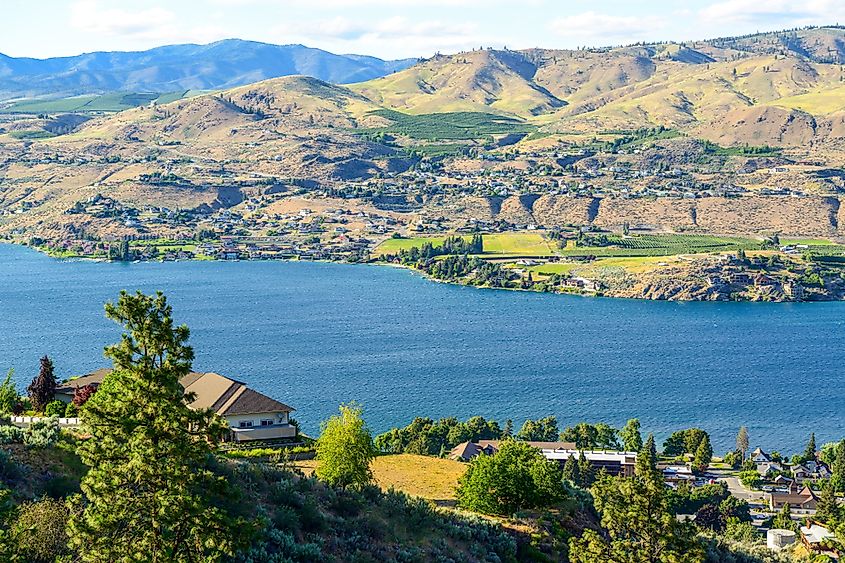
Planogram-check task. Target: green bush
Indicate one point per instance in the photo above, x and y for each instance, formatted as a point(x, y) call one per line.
point(55, 408)
point(71, 410)
point(11, 435)
point(42, 433)
point(39, 531)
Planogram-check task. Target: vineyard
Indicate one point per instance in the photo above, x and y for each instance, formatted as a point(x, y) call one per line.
point(660, 245)
point(463, 125)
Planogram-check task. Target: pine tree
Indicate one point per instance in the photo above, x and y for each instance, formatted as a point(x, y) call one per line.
point(827, 508)
point(742, 441)
point(508, 432)
point(42, 390)
point(703, 455)
point(585, 471)
point(810, 451)
point(149, 489)
point(837, 469)
point(571, 470)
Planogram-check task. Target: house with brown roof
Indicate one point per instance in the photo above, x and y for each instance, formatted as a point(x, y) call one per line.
point(465, 451)
point(251, 415)
point(805, 499)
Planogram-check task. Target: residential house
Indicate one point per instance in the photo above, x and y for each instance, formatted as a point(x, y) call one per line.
point(468, 450)
point(621, 464)
point(804, 500)
point(768, 468)
point(810, 470)
point(816, 537)
point(251, 415)
point(758, 456)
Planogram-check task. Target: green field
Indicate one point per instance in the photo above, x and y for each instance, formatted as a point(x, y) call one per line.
point(525, 244)
point(663, 245)
point(503, 244)
point(113, 102)
point(462, 125)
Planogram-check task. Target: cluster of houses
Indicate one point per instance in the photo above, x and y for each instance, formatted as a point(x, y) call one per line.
point(789, 484)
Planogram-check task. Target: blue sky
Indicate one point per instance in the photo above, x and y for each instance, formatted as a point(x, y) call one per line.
point(390, 28)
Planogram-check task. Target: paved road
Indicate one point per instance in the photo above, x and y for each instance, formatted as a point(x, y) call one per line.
point(739, 490)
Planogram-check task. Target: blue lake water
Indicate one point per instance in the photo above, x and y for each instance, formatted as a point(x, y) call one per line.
point(314, 335)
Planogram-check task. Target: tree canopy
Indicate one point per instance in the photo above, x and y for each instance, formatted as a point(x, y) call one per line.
point(345, 449)
point(150, 493)
point(516, 478)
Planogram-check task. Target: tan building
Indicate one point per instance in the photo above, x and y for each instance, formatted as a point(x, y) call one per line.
point(251, 415)
point(805, 499)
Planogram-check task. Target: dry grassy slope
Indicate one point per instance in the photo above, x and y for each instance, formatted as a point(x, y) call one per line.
point(497, 81)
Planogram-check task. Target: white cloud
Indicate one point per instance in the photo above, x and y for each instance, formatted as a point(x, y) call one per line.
point(90, 17)
point(607, 27)
point(394, 37)
point(787, 13)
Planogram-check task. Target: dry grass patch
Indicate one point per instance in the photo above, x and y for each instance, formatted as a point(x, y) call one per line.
point(431, 478)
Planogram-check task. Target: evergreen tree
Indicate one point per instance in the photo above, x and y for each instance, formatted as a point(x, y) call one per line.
point(8, 394)
point(742, 441)
point(149, 491)
point(636, 521)
point(828, 509)
point(345, 449)
point(783, 520)
point(571, 471)
point(632, 440)
point(508, 432)
point(585, 471)
point(703, 455)
point(42, 390)
point(837, 468)
point(810, 450)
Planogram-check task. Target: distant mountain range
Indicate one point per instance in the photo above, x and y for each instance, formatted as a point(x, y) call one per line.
point(219, 65)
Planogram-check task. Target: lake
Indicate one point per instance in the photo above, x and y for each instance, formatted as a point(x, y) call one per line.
point(314, 335)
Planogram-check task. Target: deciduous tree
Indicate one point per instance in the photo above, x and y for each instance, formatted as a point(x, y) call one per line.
point(8, 394)
point(345, 449)
point(516, 478)
point(632, 439)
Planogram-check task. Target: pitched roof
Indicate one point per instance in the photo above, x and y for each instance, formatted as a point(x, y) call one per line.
point(213, 391)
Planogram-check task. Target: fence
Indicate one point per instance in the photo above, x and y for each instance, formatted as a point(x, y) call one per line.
point(27, 420)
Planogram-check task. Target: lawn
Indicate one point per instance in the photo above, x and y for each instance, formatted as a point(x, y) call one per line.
point(504, 244)
point(394, 245)
point(524, 244)
point(422, 476)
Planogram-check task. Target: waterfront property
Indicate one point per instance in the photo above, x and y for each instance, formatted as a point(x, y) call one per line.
point(615, 463)
point(251, 415)
point(468, 450)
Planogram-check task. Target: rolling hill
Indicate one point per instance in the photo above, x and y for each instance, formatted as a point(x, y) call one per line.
point(219, 65)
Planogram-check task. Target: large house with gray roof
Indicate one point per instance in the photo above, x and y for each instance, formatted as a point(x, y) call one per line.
point(251, 415)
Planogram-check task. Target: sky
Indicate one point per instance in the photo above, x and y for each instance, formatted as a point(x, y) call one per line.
point(390, 29)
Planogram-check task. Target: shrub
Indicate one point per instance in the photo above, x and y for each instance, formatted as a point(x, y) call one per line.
point(11, 435)
point(71, 410)
point(42, 433)
point(39, 530)
point(55, 408)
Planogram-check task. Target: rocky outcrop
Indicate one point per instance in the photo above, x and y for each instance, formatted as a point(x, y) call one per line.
point(750, 215)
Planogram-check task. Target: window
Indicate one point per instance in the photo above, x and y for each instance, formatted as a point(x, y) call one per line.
point(267, 422)
point(245, 424)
